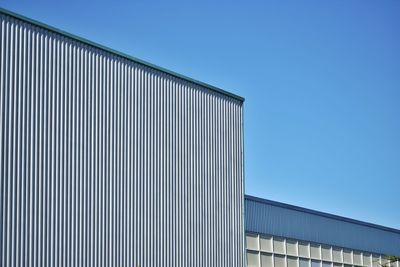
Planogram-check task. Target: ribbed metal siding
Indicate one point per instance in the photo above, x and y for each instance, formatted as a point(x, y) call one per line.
point(269, 219)
point(106, 162)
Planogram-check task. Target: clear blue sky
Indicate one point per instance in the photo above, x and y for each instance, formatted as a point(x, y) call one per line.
point(321, 81)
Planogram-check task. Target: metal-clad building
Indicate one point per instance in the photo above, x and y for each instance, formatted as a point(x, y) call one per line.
point(107, 160)
point(282, 235)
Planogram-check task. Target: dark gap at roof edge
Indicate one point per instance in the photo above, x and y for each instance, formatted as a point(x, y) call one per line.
point(320, 213)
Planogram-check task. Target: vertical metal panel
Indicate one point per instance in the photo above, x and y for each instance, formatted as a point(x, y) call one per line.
point(278, 219)
point(108, 162)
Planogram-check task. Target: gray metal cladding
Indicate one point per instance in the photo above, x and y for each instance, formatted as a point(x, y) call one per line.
point(278, 219)
point(108, 162)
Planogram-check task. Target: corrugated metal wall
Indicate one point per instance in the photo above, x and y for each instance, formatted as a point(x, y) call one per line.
point(265, 218)
point(108, 162)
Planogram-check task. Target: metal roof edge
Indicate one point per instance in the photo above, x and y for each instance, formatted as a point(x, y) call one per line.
point(121, 54)
point(320, 213)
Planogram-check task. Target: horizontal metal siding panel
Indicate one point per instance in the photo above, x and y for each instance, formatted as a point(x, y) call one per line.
point(107, 162)
point(269, 219)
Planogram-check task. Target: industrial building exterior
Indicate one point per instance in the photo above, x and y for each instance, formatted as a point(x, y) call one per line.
point(281, 235)
point(107, 160)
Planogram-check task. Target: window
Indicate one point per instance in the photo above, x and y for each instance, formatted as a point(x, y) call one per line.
point(266, 260)
point(279, 261)
point(304, 262)
point(303, 250)
point(315, 263)
point(315, 251)
point(252, 242)
point(337, 254)
point(367, 259)
point(279, 245)
point(252, 259)
point(326, 253)
point(347, 256)
point(291, 262)
point(357, 259)
point(291, 247)
point(266, 243)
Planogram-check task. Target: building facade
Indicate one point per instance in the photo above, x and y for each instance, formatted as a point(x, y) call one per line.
point(281, 235)
point(107, 160)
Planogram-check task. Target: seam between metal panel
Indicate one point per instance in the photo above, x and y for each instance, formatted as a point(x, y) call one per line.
point(319, 213)
point(115, 52)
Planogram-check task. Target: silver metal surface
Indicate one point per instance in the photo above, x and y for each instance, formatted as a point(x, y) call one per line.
point(108, 162)
point(278, 219)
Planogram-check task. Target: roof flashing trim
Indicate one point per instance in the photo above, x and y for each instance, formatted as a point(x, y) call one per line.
point(320, 213)
point(121, 54)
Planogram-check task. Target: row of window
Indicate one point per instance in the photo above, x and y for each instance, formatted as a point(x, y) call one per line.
point(263, 259)
point(322, 254)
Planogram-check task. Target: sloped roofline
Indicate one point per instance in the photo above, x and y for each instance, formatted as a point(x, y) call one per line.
point(115, 52)
point(319, 213)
